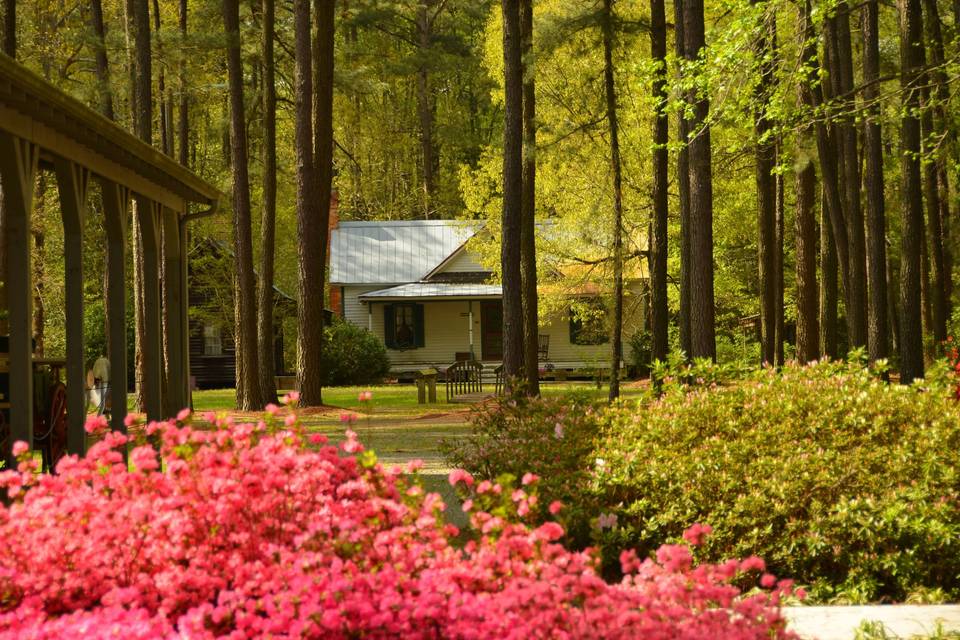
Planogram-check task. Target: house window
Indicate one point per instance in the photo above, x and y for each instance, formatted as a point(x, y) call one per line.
point(403, 326)
point(588, 323)
point(212, 340)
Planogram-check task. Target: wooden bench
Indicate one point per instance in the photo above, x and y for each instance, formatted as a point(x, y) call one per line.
point(464, 379)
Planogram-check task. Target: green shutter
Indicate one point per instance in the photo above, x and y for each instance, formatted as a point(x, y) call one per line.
point(389, 327)
point(418, 325)
point(574, 328)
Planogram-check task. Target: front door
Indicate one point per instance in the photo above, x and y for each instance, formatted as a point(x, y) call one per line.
point(491, 330)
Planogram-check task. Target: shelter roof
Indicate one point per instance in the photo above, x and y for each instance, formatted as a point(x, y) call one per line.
point(35, 110)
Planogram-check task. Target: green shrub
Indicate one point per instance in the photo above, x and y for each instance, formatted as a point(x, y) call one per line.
point(353, 356)
point(553, 438)
point(835, 478)
point(838, 480)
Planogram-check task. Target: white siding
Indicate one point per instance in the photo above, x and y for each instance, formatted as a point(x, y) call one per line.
point(446, 332)
point(464, 261)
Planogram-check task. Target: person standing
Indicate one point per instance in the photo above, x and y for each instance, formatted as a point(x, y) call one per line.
point(101, 382)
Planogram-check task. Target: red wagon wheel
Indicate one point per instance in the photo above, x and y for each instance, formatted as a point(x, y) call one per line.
point(57, 424)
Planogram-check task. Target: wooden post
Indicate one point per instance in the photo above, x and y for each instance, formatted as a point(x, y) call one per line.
point(72, 183)
point(173, 303)
point(148, 216)
point(18, 169)
point(184, 317)
point(116, 207)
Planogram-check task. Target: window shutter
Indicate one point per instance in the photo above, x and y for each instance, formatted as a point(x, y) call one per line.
point(389, 327)
point(574, 328)
point(418, 325)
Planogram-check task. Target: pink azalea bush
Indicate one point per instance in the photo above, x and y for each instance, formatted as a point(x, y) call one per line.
point(260, 530)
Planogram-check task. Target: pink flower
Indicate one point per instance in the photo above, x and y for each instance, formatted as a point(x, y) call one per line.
point(348, 418)
point(697, 533)
point(558, 431)
point(529, 478)
point(20, 447)
point(555, 507)
point(768, 580)
point(459, 475)
point(291, 399)
point(607, 521)
point(365, 396)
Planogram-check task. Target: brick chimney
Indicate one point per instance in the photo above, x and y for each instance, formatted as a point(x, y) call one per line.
point(335, 298)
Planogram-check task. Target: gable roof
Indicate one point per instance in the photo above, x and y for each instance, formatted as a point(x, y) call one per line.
point(393, 251)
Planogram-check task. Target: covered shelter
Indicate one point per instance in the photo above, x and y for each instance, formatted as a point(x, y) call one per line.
point(42, 128)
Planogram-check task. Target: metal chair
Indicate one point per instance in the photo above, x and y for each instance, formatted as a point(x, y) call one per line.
point(543, 346)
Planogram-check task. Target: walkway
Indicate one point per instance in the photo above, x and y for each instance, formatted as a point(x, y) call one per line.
point(898, 621)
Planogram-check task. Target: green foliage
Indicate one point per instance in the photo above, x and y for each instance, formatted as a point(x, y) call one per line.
point(837, 479)
point(353, 356)
point(553, 438)
point(832, 476)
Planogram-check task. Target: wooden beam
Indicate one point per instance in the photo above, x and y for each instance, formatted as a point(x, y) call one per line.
point(24, 93)
point(173, 297)
point(148, 217)
point(18, 169)
point(73, 182)
point(116, 208)
point(113, 169)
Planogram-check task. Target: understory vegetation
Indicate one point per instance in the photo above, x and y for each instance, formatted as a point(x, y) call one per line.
point(263, 530)
point(836, 478)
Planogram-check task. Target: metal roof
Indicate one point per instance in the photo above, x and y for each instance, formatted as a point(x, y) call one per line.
point(420, 290)
point(393, 251)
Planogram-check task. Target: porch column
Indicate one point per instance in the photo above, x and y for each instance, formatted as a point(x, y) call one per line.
point(184, 317)
point(173, 315)
point(72, 183)
point(116, 209)
point(148, 217)
point(470, 330)
point(370, 317)
point(18, 168)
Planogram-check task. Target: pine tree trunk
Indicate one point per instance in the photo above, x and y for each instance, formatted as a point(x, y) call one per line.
point(308, 346)
point(766, 192)
point(878, 331)
point(828, 283)
point(944, 128)
point(426, 106)
point(323, 67)
point(265, 328)
point(683, 191)
point(528, 237)
point(512, 193)
point(855, 290)
point(808, 338)
point(104, 92)
point(616, 329)
point(141, 103)
point(183, 121)
point(249, 396)
point(702, 327)
point(811, 92)
point(911, 63)
point(659, 312)
point(778, 266)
